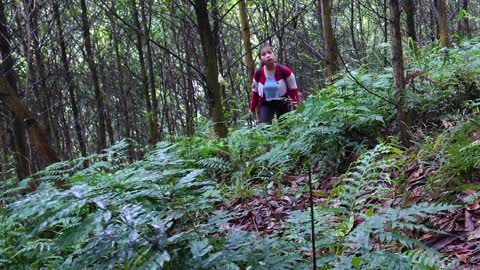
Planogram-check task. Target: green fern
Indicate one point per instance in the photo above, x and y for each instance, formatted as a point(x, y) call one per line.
point(216, 163)
point(346, 246)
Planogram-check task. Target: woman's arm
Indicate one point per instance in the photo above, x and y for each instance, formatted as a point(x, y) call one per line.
point(254, 103)
point(292, 89)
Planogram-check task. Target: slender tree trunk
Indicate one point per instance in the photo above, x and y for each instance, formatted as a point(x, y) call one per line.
point(216, 35)
point(143, 71)
point(190, 108)
point(398, 68)
point(410, 11)
point(352, 28)
point(247, 45)
point(318, 4)
point(23, 165)
point(442, 17)
point(189, 92)
point(67, 138)
point(147, 19)
point(465, 27)
point(5, 142)
point(71, 86)
point(109, 124)
point(102, 143)
point(124, 91)
point(361, 27)
point(213, 91)
point(328, 38)
point(385, 27)
point(433, 25)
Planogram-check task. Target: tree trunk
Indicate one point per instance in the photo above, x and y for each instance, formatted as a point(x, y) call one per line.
point(39, 137)
point(247, 45)
point(442, 17)
point(328, 38)
point(109, 124)
point(40, 77)
point(124, 91)
point(398, 68)
point(352, 29)
point(5, 142)
point(67, 138)
point(213, 91)
point(147, 24)
point(465, 27)
point(433, 24)
point(102, 143)
point(410, 11)
point(67, 74)
point(385, 28)
point(22, 164)
point(143, 71)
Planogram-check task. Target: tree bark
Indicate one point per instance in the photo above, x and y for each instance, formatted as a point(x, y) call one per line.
point(442, 17)
point(328, 38)
point(410, 11)
point(147, 23)
point(5, 142)
point(38, 135)
point(102, 143)
point(399, 70)
point(216, 37)
point(465, 27)
point(45, 93)
point(213, 91)
point(124, 91)
point(385, 28)
point(23, 166)
point(247, 45)
point(144, 77)
point(67, 74)
point(352, 29)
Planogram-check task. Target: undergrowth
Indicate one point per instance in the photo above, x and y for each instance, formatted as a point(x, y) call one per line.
point(160, 212)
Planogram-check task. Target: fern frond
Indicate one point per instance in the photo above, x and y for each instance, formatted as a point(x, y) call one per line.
point(216, 163)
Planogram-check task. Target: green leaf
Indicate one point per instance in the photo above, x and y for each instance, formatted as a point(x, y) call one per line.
point(357, 262)
point(300, 108)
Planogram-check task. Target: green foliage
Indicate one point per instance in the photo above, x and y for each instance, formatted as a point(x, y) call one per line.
point(324, 125)
point(463, 148)
point(455, 156)
point(451, 78)
point(159, 213)
point(376, 242)
point(151, 214)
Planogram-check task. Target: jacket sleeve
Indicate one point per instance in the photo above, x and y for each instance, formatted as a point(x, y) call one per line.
point(292, 89)
point(255, 96)
point(254, 101)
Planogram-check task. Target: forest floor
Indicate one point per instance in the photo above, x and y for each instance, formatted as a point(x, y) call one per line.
point(456, 235)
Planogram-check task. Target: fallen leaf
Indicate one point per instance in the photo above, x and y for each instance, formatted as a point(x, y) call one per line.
point(469, 225)
point(286, 198)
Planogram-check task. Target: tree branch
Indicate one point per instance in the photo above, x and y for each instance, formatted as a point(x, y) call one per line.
point(113, 13)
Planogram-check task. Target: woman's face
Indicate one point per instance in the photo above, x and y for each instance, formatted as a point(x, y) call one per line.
point(267, 56)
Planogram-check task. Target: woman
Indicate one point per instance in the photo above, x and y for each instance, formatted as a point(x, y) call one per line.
point(274, 88)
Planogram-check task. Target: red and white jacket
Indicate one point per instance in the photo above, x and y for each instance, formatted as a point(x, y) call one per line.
point(287, 85)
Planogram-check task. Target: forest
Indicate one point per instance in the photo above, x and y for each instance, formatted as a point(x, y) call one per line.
point(128, 139)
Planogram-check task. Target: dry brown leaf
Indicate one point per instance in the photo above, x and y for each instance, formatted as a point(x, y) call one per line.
point(286, 198)
point(469, 225)
point(475, 206)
